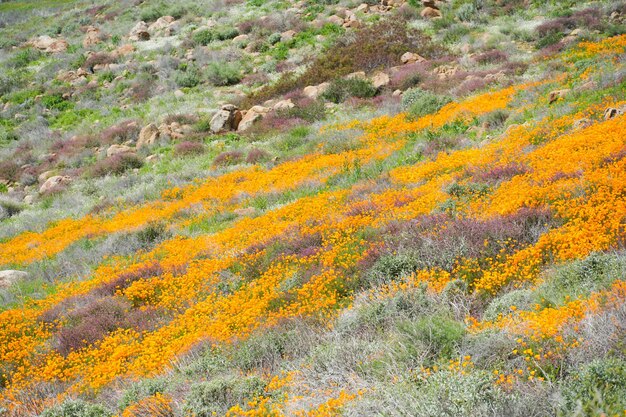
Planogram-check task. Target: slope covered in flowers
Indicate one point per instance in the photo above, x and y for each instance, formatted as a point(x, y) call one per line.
point(482, 222)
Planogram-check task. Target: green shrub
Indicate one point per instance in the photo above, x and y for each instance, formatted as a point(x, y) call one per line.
point(438, 335)
point(467, 12)
point(215, 397)
point(521, 299)
point(56, 102)
point(223, 73)
point(24, 57)
point(598, 388)
point(9, 208)
point(340, 89)
point(274, 38)
point(203, 37)
point(76, 408)
point(581, 277)
point(140, 390)
point(310, 112)
point(226, 33)
point(190, 77)
point(419, 102)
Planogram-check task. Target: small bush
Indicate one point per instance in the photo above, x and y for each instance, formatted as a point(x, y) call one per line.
point(203, 37)
point(223, 74)
point(305, 109)
point(256, 155)
point(340, 89)
point(115, 165)
point(189, 77)
point(419, 102)
point(189, 148)
point(76, 408)
point(24, 58)
point(598, 388)
point(215, 397)
point(9, 208)
point(228, 158)
point(10, 171)
point(438, 335)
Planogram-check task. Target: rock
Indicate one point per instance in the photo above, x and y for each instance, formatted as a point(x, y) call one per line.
point(498, 77)
point(380, 80)
point(29, 199)
point(123, 50)
point(179, 94)
point(152, 158)
point(411, 57)
point(612, 112)
point(360, 75)
point(164, 26)
point(139, 32)
point(363, 8)
point(47, 44)
point(118, 149)
point(245, 212)
point(582, 123)
point(45, 175)
point(241, 38)
point(352, 24)
point(92, 37)
point(314, 91)
point(54, 183)
point(445, 71)
point(557, 94)
point(252, 116)
point(148, 135)
point(287, 35)
point(430, 13)
point(227, 118)
point(336, 20)
point(283, 104)
point(397, 93)
point(10, 276)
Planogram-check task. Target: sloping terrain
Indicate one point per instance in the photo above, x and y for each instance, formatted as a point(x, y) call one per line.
point(378, 233)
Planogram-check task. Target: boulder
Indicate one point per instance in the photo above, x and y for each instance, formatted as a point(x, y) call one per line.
point(227, 118)
point(430, 13)
point(363, 8)
point(380, 80)
point(314, 91)
point(118, 149)
point(334, 19)
point(411, 57)
point(43, 177)
point(612, 112)
point(164, 26)
point(54, 183)
point(252, 116)
point(582, 123)
point(148, 135)
point(283, 104)
point(557, 94)
point(241, 38)
point(9, 276)
point(47, 44)
point(139, 32)
point(123, 50)
point(287, 35)
point(92, 37)
point(445, 71)
point(359, 75)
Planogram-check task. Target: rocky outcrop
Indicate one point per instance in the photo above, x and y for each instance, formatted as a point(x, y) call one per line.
point(10, 276)
point(411, 58)
point(47, 44)
point(139, 32)
point(118, 149)
point(314, 91)
point(148, 136)
point(93, 36)
point(164, 26)
point(380, 80)
point(557, 94)
point(252, 116)
point(54, 183)
point(227, 118)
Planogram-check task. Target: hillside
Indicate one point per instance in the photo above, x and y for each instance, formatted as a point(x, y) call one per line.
point(314, 208)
